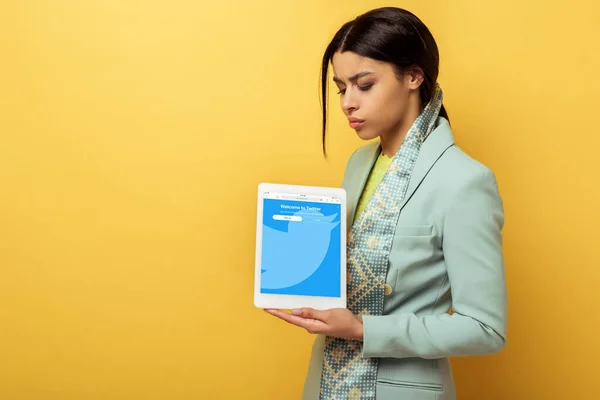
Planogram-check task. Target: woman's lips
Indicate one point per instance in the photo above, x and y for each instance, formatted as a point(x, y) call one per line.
point(356, 123)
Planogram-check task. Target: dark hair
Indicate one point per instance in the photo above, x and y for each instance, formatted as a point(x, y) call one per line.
point(387, 34)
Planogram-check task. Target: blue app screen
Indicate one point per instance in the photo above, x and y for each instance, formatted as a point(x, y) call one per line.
point(301, 248)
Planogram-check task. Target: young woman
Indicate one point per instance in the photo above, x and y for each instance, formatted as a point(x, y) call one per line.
point(425, 264)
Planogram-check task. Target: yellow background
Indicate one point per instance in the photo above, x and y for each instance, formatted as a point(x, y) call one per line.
point(133, 135)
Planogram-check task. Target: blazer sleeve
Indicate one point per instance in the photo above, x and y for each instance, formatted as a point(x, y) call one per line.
point(472, 247)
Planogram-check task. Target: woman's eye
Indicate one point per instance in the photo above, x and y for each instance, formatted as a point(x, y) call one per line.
point(363, 88)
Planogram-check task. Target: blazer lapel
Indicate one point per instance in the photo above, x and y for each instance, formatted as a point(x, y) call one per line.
point(438, 141)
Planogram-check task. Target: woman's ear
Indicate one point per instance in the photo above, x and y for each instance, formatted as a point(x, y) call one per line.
point(414, 78)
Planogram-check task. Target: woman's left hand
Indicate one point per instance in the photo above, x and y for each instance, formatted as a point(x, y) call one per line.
point(335, 322)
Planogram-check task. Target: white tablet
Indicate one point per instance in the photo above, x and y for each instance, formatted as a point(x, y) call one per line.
point(300, 247)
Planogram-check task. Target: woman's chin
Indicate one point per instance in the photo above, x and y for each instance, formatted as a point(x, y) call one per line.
point(366, 135)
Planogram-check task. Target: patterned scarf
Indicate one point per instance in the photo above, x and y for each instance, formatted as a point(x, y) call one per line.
point(346, 375)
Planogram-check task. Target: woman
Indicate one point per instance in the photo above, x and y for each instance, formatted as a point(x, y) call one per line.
point(425, 264)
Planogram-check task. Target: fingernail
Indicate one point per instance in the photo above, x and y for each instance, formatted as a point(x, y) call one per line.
point(296, 312)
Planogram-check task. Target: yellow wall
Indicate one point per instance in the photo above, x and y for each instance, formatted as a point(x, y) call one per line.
point(133, 135)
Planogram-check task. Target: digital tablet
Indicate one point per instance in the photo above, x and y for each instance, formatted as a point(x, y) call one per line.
point(300, 247)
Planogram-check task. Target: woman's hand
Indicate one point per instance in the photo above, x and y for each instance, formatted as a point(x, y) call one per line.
point(335, 322)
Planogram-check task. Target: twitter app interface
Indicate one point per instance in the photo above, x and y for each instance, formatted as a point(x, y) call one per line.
point(301, 245)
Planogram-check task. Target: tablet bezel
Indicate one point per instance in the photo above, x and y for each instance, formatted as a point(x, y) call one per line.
point(285, 301)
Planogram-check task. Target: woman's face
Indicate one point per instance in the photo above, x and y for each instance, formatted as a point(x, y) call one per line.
point(373, 97)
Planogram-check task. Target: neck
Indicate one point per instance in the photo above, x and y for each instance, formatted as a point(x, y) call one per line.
point(391, 142)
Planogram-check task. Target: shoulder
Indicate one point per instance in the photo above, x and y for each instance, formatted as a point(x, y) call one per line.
point(357, 160)
point(456, 169)
point(460, 183)
point(467, 189)
point(361, 155)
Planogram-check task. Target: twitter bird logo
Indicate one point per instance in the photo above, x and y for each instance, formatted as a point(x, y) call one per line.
point(288, 258)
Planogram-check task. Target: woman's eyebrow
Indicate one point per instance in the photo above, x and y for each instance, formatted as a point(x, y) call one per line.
point(353, 77)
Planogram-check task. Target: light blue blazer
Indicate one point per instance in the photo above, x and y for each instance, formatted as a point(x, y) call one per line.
point(446, 255)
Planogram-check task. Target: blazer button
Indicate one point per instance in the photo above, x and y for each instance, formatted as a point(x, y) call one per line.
point(387, 289)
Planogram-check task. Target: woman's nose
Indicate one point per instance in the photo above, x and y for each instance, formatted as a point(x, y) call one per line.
point(349, 102)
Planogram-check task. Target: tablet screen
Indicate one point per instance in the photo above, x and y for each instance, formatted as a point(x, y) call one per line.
point(301, 245)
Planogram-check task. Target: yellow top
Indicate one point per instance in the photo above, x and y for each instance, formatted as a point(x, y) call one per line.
point(375, 176)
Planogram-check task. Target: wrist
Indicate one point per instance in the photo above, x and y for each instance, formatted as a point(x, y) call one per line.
point(359, 335)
